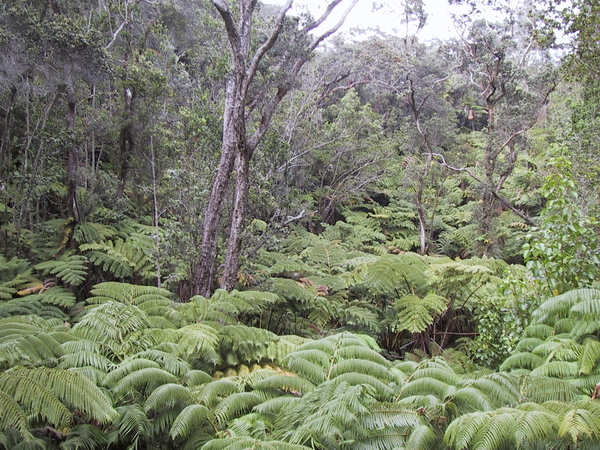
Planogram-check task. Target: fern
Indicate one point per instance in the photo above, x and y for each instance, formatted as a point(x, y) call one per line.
point(68, 387)
point(394, 275)
point(416, 314)
point(132, 427)
point(243, 443)
point(69, 267)
point(123, 257)
point(189, 419)
point(85, 437)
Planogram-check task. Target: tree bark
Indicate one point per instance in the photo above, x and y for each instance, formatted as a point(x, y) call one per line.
point(236, 142)
point(72, 157)
point(233, 133)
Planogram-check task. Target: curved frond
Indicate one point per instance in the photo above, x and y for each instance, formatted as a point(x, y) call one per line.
point(288, 384)
point(85, 437)
point(168, 395)
point(423, 437)
point(143, 380)
point(235, 404)
point(189, 419)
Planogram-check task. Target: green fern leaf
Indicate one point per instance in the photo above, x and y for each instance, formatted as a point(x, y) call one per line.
point(189, 419)
point(69, 268)
point(166, 396)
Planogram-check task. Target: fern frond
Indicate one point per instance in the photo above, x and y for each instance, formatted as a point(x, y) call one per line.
point(541, 389)
point(287, 384)
point(559, 307)
point(110, 321)
point(13, 416)
point(557, 369)
point(235, 404)
point(132, 426)
point(69, 387)
point(166, 396)
point(85, 437)
point(211, 393)
point(245, 443)
point(579, 425)
point(389, 415)
point(143, 380)
point(69, 267)
point(195, 378)
point(189, 419)
point(522, 360)
point(391, 275)
point(150, 299)
point(423, 437)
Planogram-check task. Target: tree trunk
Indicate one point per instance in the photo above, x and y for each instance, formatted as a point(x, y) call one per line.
point(234, 131)
point(242, 182)
point(236, 142)
point(72, 157)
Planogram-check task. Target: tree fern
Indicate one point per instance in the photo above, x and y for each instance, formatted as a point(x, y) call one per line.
point(242, 344)
point(51, 394)
point(336, 356)
point(234, 405)
point(85, 437)
point(150, 299)
point(131, 428)
point(192, 417)
point(69, 267)
point(560, 306)
point(244, 443)
point(394, 275)
point(13, 416)
point(123, 257)
point(416, 314)
point(111, 323)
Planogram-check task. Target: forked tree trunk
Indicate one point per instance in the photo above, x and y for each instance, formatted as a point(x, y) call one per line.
point(236, 142)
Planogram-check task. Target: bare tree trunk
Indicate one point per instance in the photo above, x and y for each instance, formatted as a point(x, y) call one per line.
point(233, 132)
point(5, 138)
point(236, 142)
point(72, 157)
point(232, 260)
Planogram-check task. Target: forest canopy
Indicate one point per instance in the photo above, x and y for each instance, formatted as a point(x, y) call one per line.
point(229, 225)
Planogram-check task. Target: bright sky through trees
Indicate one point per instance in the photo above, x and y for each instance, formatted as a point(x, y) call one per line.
point(368, 14)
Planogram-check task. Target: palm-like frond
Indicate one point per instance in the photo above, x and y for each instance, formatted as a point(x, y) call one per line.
point(132, 427)
point(522, 360)
point(143, 380)
point(150, 299)
point(580, 424)
point(415, 314)
point(85, 437)
point(13, 416)
point(235, 404)
point(503, 428)
point(245, 443)
point(122, 258)
point(590, 357)
point(189, 419)
point(168, 395)
point(283, 383)
point(49, 394)
point(336, 356)
point(242, 344)
point(394, 275)
point(423, 437)
point(559, 307)
point(110, 322)
point(69, 267)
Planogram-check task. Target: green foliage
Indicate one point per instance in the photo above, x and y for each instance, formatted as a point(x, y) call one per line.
point(69, 267)
point(562, 252)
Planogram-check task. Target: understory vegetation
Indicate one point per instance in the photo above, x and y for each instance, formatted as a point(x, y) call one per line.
point(404, 245)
